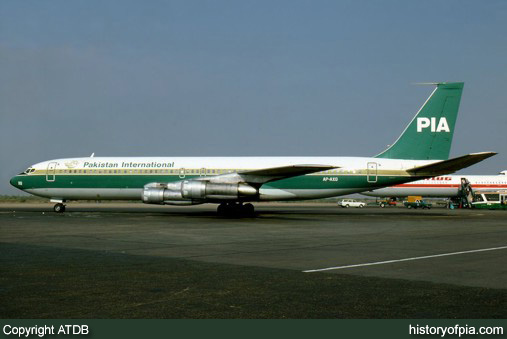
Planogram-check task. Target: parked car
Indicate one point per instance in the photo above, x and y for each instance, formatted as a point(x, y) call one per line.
point(351, 203)
point(387, 202)
point(417, 204)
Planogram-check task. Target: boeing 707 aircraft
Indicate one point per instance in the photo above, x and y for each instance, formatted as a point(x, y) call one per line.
point(421, 151)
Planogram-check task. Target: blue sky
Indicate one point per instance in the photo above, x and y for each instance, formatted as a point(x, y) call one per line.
point(229, 78)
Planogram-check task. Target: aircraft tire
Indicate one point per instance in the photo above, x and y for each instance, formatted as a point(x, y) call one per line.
point(235, 210)
point(248, 209)
point(222, 209)
point(59, 208)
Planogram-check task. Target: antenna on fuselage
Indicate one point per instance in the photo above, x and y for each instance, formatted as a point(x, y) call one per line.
point(93, 154)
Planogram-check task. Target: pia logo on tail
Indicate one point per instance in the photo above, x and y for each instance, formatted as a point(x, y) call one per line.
point(431, 123)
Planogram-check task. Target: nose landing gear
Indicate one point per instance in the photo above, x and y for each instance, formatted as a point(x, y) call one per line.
point(59, 207)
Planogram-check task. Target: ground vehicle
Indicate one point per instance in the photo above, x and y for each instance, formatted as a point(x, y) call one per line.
point(387, 202)
point(490, 200)
point(417, 204)
point(351, 203)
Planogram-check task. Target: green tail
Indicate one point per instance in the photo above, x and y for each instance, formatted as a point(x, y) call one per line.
point(429, 134)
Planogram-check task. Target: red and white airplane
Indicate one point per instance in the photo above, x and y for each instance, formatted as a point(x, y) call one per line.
point(443, 186)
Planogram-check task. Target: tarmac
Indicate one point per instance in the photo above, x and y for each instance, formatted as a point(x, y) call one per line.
point(465, 248)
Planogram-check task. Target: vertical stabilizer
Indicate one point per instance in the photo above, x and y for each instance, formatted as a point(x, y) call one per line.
point(429, 134)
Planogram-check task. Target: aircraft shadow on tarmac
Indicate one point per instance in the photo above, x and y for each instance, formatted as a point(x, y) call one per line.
point(271, 214)
point(261, 213)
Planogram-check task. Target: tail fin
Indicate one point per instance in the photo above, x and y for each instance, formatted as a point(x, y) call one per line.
point(429, 134)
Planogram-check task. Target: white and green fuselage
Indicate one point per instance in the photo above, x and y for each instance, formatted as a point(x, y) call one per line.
point(124, 178)
point(420, 152)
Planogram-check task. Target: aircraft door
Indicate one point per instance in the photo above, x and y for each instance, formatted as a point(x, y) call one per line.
point(371, 172)
point(202, 172)
point(51, 172)
point(182, 173)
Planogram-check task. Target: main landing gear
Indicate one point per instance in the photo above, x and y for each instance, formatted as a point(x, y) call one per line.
point(236, 210)
point(59, 208)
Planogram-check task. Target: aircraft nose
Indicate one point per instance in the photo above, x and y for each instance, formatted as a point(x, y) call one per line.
point(14, 181)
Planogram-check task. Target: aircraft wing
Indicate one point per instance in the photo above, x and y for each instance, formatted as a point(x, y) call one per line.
point(288, 171)
point(264, 175)
point(451, 165)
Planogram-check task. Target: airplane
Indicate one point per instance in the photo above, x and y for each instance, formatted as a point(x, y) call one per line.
point(442, 186)
point(421, 151)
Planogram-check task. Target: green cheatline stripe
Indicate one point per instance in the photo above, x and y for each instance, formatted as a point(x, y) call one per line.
point(138, 181)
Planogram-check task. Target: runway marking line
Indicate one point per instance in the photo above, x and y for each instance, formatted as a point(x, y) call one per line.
point(405, 259)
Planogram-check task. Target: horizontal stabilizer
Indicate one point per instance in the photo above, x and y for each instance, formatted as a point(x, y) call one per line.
point(451, 165)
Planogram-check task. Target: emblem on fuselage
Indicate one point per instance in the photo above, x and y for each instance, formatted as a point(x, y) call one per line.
point(71, 164)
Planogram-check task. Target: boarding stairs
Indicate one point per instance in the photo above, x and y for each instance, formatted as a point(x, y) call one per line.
point(465, 194)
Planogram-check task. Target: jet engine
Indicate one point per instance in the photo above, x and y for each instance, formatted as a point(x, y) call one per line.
point(195, 191)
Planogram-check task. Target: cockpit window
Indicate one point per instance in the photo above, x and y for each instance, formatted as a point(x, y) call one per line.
point(28, 170)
